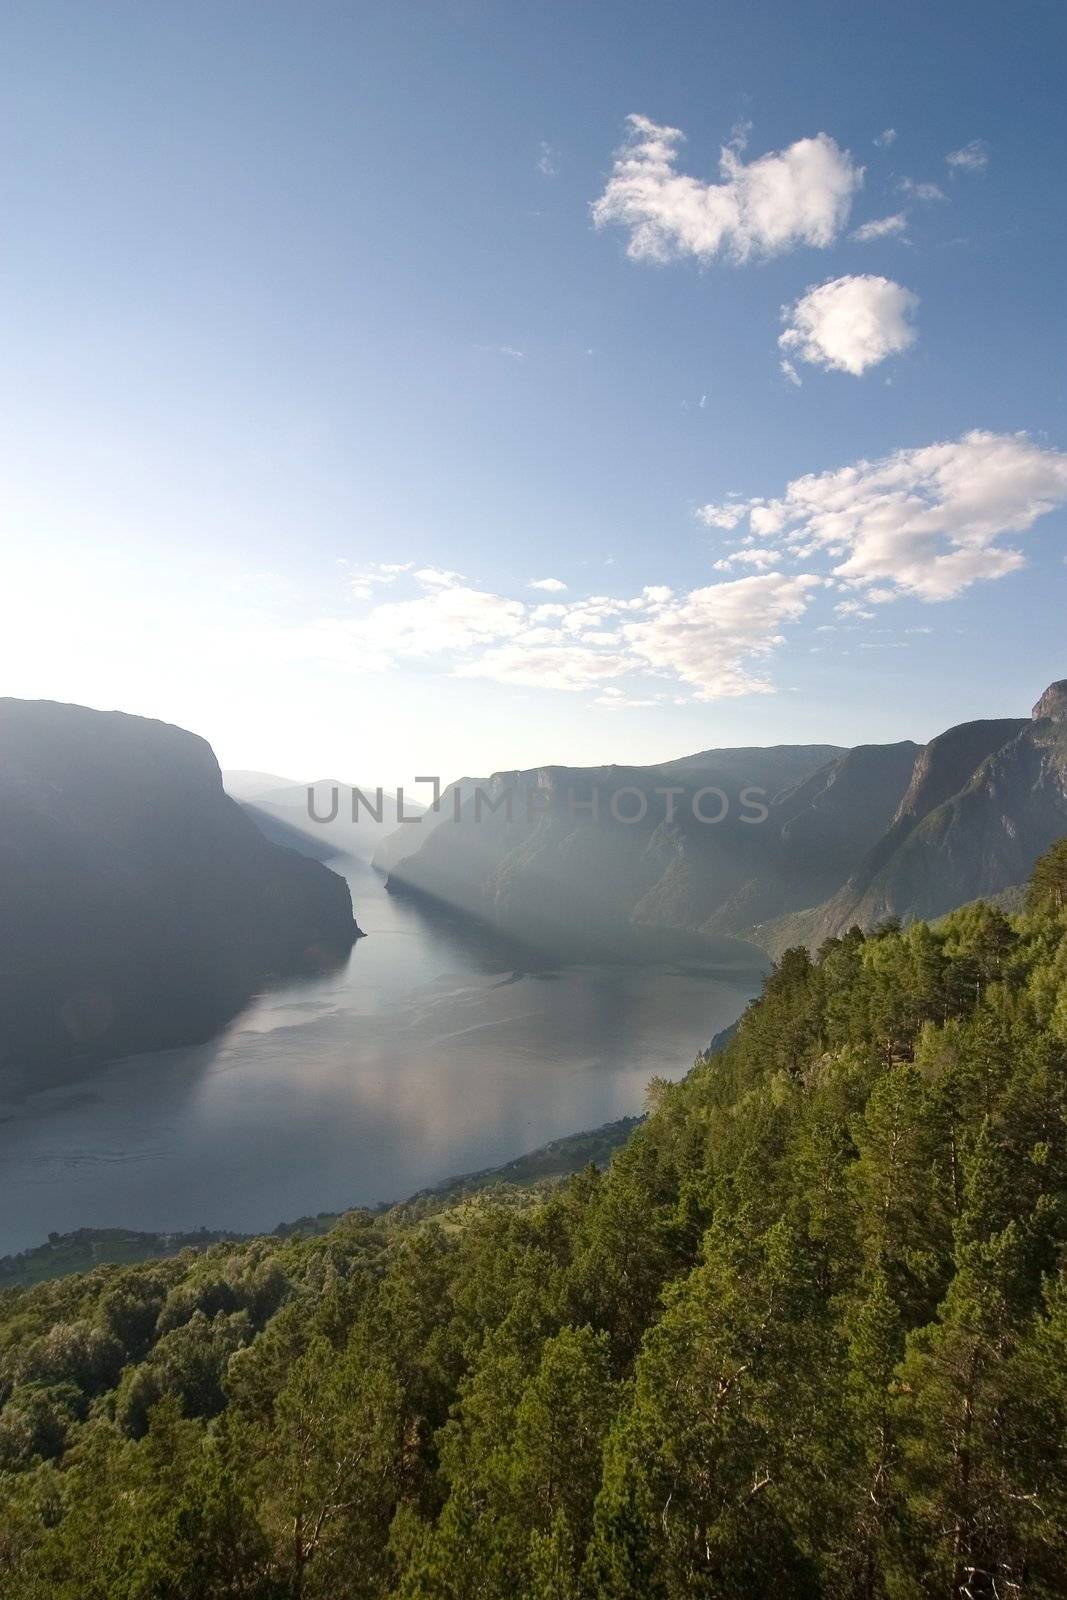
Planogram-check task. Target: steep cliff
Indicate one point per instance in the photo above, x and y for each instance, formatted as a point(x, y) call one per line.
point(140, 907)
point(985, 801)
point(902, 830)
point(697, 849)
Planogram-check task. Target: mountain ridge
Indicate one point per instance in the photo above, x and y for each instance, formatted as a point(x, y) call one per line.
point(900, 830)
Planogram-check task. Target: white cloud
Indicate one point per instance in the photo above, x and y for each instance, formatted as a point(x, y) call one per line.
point(615, 700)
point(537, 665)
point(364, 580)
point(798, 196)
point(881, 228)
point(448, 618)
point(708, 638)
point(850, 324)
point(921, 191)
point(438, 577)
point(727, 516)
point(547, 160)
point(887, 137)
point(973, 157)
point(925, 522)
point(552, 585)
point(751, 556)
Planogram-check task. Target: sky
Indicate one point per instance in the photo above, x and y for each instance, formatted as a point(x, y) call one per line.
point(418, 387)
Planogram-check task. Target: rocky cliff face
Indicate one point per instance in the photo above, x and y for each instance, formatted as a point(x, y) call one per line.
point(1052, 707)
point(140, 907)
point(986, 800)
point(882, 830)
point(667, 867)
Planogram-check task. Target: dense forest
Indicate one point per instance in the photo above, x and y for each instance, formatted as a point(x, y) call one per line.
point(806, 1336)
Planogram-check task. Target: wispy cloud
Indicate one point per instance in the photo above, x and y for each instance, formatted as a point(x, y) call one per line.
point(616, 700)
point(881, 228)
point(364, 580)
point(850, 324)
point(926, 522)
point(973, 157)
point(553, 585)
point(547, 160)
point(929, 193)
point(753, 555)
point(887, 137)
point(798, 196)
point(713, 640)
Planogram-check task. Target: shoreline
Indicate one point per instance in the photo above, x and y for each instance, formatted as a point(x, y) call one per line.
point(81, 1250)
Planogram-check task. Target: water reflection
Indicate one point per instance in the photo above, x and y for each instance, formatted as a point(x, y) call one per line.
point(437, 1049)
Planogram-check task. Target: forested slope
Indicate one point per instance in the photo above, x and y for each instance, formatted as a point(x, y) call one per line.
point(806, 1337)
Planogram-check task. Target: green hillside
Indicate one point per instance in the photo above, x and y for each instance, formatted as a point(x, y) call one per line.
point(807, 1336)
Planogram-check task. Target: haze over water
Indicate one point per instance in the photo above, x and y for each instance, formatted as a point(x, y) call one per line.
point(432, 1053)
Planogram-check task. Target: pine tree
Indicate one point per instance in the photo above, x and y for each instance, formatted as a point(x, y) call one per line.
point(1048, 881)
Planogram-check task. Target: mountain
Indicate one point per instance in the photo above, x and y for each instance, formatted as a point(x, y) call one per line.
point(986, 799)
point(772, 767)
point(409, 837)
point(241, 784)
point(281, 831)
point(652, 863)
point(903, 830)
point(334, 824)
point(140, 906)
point(723, 880)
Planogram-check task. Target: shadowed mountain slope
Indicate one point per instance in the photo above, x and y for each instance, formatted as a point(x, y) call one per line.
point(326, 818)
point(609, 858)
point(986, 800)
point(765, 845)
point(140, 906)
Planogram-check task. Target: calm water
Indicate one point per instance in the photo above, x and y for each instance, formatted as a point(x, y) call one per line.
point(431, 1054)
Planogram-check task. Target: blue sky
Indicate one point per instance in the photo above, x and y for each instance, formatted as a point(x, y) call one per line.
point(291, 295)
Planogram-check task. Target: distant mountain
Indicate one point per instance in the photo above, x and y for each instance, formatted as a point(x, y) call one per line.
point(724, 878)
point(555, 875)
point(139, 906)
point(243, 785)
point(773, 767)
point(410, 836)
point(986, 799)
point(334, 824)
point(854, 836)
point(280, 831)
